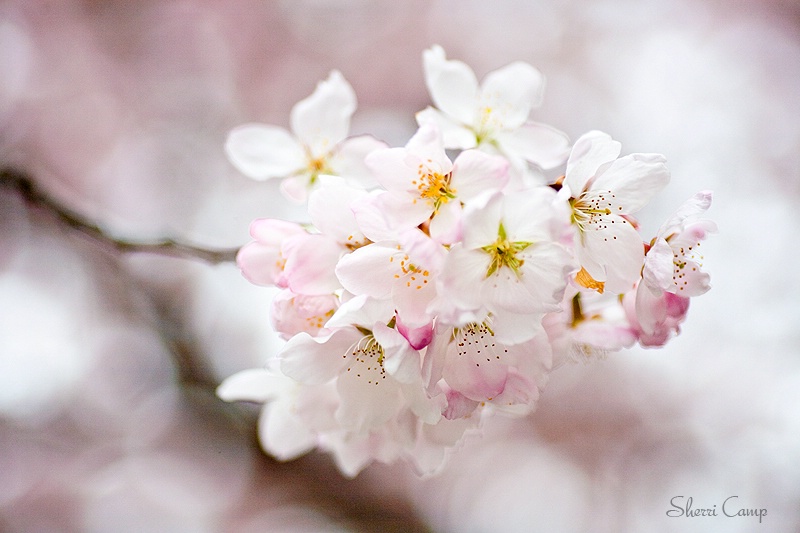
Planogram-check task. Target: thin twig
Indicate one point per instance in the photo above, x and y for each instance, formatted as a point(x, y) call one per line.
point(35, 197)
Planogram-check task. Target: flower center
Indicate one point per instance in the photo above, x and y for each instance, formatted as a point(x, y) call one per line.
point(368, 362)
point(434, 186)
point(317, 166)
point(593, 209)
point(504, 253)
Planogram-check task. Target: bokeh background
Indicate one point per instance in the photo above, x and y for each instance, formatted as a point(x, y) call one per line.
point(108, 360)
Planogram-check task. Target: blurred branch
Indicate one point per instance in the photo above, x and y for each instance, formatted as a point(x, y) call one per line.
point(26, 186)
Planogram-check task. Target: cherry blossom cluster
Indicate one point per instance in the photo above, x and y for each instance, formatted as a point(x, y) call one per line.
point(439, 282)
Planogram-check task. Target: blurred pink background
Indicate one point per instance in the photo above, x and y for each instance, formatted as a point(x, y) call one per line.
point(108, 361)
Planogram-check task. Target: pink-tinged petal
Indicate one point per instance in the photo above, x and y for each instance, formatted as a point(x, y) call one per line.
point(283, 434)
point(427, 410)
point(690, 281)
point(369, 270)
point(411, 296)
point(452, 85)
point(295, 188)
point(348, 159)
point(272, 231)
point(475, 172)
point(260, 151)
point(658, 267)
point(459, 406)
point(650, 309)
point(418, 337)
point(322, 120)
point(632, 180)
point(310, 267)
point(511, 92)
point(400, 360)
point(260, 264)
point(252, 385)
point(482, 220)
point(693, 207)
point(591, 150)
point(329, 207)
point(537, 143)
point(474, 367)
point(518, 390)
point(455, 135)
point(294, 313)
point(318, 360)
point(618, 248)
point(434, 358)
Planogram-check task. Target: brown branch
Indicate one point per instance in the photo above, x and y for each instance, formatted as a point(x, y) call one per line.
point(25, 185)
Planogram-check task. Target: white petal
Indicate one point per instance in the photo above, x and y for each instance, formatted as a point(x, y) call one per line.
point(322, 120)
point(658, 267)
point(348, 159)
point(310, 267)
point(482, 220)
point(619, 249)
point(591, 150)
point(260, 152)
point(368, 397)
point(455, 135)
point(329, 207)
point(632, 181)
point(511, 92)
point(452, 85)
point(312, 360)
point(475, 172)
point(283, 434)
point(463, 273)
point(692, 208)
point(252, 385)
point(370, 270)
point(540, 144)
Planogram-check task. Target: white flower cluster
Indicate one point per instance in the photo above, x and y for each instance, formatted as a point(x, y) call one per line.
point(429, 292)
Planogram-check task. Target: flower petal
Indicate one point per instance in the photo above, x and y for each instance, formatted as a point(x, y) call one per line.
point(537, 143)
point(618, 248)
point(511, 92)
point(322, 120)
point(455, 135)
point(452, 85)
point(590, 151)
point(632, 181)
point(313, 360)
point(475, 172)
point(348, 159)
point(260, 151)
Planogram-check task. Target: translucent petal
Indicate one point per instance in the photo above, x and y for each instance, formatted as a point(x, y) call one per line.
point(322, 120)
point(537, 143)
point(632, 180)
point(590, 151)
point(511, 92)
point(313, 360)
point(455, 135)
point(452, 85)
point(260, 152)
